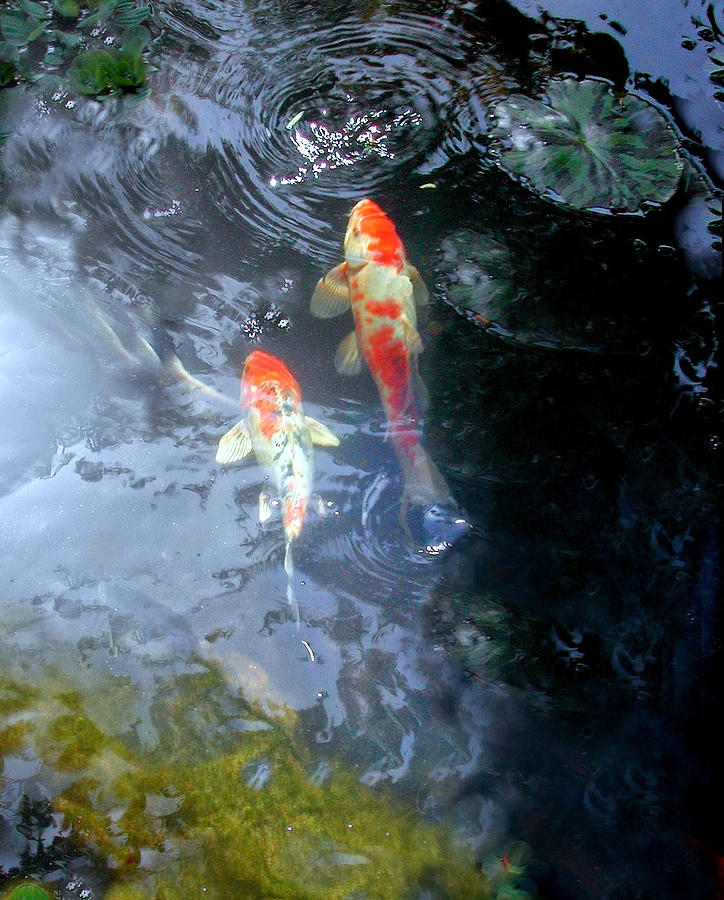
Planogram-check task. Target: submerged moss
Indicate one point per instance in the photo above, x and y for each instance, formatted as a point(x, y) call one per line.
point(188, 813)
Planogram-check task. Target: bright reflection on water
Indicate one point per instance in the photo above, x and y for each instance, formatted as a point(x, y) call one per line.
point(530, 683)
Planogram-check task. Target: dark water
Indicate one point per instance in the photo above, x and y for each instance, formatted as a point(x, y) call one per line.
point(551, 681)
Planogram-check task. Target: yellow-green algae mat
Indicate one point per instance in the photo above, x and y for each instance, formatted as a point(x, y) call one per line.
point(181, 818)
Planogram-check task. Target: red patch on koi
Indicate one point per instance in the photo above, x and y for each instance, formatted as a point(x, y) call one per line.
point(389, 362)
point(388, 358)
point(268, 426)
point(264, 372)
point(384, 244)
point(389, 307)
point(294, 512)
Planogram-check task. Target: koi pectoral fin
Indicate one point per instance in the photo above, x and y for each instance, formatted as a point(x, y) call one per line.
point(320, 434)
point(420, 292)
point(331, 295)
point(411, 336)
point(235, 444)
point(348, 359)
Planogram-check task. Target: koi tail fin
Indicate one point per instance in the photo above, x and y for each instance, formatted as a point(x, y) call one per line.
point(429, 513)
point(424, 483)
point(159, 348)
point(291, 599)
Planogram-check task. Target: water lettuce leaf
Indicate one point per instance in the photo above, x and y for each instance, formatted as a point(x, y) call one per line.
point(99, 72)
point(20, 28)
point(587, 147)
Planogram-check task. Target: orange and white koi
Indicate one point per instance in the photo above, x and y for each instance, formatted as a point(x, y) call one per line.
point(281, 436)
point(384, 291)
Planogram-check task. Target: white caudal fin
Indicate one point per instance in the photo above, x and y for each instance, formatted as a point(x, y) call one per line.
point(264, 507)
point(424, 483)
point(176, 368)
point(291, 599)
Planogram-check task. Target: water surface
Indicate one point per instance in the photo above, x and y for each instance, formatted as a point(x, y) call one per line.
point(541, 691)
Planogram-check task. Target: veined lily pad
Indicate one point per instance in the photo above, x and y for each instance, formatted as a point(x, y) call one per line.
point(587, 147)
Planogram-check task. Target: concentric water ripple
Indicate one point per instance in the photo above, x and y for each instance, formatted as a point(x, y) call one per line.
point(330, 113)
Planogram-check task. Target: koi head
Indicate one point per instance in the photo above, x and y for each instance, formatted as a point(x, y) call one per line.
point(264, 377)
point(371, 238)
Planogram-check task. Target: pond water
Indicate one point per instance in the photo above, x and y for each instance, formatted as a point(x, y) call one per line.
point(523, 708)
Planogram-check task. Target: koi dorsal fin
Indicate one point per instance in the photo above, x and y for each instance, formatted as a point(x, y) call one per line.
point(331, 295)
point(320, 434)
point(235, 444)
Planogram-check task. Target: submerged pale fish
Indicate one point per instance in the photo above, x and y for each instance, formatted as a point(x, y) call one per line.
point(281, 436)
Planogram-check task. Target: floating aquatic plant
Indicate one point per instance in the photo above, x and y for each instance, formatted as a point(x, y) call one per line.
point(588, 147)
point(115, 65)
point(100, 72)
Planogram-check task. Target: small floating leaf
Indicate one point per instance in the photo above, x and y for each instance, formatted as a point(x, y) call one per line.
point(104, 11)
point(99, 72)
point(28, 892)
point(20, 29)
point(69, 9)
point(67, 39)
point(91, 72)
point(35, 10)
point(587, 147)
point(135, 39)
point(128, 15)
point(294, 120)
point(129, 71)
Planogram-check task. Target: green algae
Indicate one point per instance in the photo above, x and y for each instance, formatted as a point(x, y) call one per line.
point(185, 815)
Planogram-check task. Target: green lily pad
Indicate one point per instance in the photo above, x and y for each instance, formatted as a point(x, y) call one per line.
point(587, 147)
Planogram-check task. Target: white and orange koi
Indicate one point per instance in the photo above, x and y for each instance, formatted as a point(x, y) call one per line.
point(281, 436)
point(384, 290)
